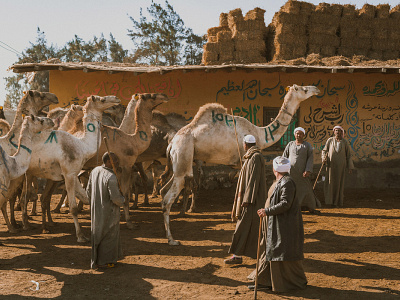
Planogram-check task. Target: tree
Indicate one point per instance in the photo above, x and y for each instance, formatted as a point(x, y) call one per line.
point(117, 52)
point(193, 51)
point(161, 40)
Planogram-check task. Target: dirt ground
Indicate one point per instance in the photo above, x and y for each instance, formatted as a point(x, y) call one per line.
point(350, 253)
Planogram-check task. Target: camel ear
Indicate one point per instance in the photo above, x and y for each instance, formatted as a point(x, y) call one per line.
point(31, 93)
point(136, 96)
point(295, 86)
point(32, 117)
point(93, 98)
point(287, 89)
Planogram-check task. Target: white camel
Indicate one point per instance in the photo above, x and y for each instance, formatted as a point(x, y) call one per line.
point(12, 167)
point(210, 137)
point(58, 155)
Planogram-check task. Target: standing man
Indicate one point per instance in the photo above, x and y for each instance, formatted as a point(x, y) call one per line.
point(338, 159)
point(300, 155)
point(105, 201)
point(250, 196)
point(281, 259)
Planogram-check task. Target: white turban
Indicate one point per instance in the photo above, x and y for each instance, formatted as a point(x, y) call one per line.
point(281, 164)
point(249, 139)
point(299, 128)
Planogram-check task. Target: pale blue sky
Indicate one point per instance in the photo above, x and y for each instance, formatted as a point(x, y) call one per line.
point(62, 19)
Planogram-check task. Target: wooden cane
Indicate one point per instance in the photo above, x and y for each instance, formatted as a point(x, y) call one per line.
point(112, 161)
point(237, 141)
point(258, 258)
point(323, 163)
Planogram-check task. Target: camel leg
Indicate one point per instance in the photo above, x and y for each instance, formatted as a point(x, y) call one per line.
point(70, 181)
point(45, 204)
point(196, 185)
point(81, 195)
point(10, 227)
point(178, 184)
point(125, 181)
point(14, 191)
point(187, 190)
point(24, 201)
point(144, 178)
point(60, 203)
point(34, 196)
point(156, 188)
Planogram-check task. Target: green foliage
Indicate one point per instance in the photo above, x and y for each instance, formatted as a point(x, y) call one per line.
point(163, 39)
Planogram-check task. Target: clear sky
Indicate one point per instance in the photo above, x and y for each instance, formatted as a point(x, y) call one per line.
point(62, 19)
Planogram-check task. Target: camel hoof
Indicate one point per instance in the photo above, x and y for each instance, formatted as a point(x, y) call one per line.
point(173, 243)
point(83, 239)
point(191, 210)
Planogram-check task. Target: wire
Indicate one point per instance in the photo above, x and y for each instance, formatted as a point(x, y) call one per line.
point(12, 49)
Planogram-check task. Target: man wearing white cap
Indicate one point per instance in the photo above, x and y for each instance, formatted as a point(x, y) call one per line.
point(300, 154)
point(338, 158)
point(281, 260)
point(250, 196)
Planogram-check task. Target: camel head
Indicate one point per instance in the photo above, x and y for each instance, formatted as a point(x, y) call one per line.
point(34, 101)
point(150, 100)
point(100, 103)
point(116, 111)
point(37, 124)
point(2, 116)
point(301, 93)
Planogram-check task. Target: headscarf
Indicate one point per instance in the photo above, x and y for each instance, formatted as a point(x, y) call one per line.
point(281, 164)
point(339, 127)
point(249, 139)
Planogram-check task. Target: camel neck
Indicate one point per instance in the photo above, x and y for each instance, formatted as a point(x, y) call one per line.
point(22, 158)
point(128, 122)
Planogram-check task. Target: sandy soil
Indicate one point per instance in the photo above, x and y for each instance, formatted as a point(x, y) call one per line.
point(350, 253)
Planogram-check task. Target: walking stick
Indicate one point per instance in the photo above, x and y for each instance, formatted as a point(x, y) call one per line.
point(112, 161)
point(323, 163)
point(258, 258)
point(237, 141)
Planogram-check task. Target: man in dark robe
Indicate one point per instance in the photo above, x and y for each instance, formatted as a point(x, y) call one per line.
point(337, 155)
point(300, 154)
point(250, 196)
point(105, 201)
point(281, 262)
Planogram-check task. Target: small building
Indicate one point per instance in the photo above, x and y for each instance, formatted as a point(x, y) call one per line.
point(364, 100)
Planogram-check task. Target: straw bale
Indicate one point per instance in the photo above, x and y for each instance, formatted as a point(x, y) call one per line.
point(395, 12)
point(382, 10)
point(324, 39)
point(240, 55)
point(284, 28)
point(212, 47)
point(213, 31)
point(255, 14)
point(337, 61)
point(314, 59)
point(324, 18)
point(306, 8)
point(380, 24)
point(347, 42)
point(211, 39)
point(299, 51)
point(286, 18)
point(362, 43)
point(347, 33)
point(390, 54)
point(254, 25)
point(292, 7)
point(283, 51)
point(361, 51)
point(394, 34)
point(256, 56)
point(349, 11)
point(226, 56)
point(367, 11)
point(250, 35)
point(393, 44)
point(258, 45)
point(314, 48)
point(223, 36)
point(322, 29)
point(364, 32)
point(346, 51)
point(209, 57)
point(394, 26)
point(223, 20)
point(381, 34)
point(290, 39)
point(235, 16)
point(375, 54)
point(328, 50)
point(328, 9)
point(226, 46)
point(379, 44)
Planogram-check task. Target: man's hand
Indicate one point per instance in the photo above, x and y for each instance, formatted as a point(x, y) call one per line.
point(245, 204)
point(306, 174)
point(261, 212)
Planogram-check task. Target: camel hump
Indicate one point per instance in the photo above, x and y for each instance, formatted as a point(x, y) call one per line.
point(207, 108)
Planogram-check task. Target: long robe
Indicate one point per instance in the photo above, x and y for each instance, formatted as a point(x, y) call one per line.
point(252, 190)
point(302, 160)
point(281, 257)
point(105, 201)
point(338, 161)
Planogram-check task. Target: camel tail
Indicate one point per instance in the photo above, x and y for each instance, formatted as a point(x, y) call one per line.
point(168, 170)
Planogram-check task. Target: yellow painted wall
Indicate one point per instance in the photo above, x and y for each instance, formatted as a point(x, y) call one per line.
point(366, 105)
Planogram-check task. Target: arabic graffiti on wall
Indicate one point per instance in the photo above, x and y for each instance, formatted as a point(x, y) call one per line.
point(382, 89)
point(247, 90)
point(124, 91)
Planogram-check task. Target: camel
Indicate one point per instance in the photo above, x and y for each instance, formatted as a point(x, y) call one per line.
point(4, 127)
point(15, 166)
point(129, 146)
point(2, 115)
point(210, 137)
point(31, 104)
point(58, 155)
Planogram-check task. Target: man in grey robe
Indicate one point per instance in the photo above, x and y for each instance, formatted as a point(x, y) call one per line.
point(300, 154)
point(338, 159)
point(250, 196)
point(105, 201)
point(281, 260)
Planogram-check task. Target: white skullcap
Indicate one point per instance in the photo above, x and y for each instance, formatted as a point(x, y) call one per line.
point(249, 139)
point(299, 128)
point(281, 164)
point(339, 127)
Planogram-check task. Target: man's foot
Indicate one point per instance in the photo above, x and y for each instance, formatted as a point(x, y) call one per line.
point(259, 287)
point(234, 260)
